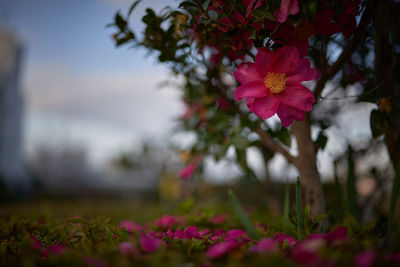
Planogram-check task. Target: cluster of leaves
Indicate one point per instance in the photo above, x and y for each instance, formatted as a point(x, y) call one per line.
point(204, 41)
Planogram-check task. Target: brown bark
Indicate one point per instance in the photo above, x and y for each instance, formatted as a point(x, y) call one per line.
point(306, 163)
point(384, 71)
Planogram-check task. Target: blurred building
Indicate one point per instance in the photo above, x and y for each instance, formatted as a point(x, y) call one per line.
point(12, 168)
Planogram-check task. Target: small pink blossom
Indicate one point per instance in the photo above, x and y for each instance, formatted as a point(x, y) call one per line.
point(365, 259)
point(312, 245)
point(336, 236)
point(204, 232)
point(191, 232)
point(273, 84)
point(238, 235)
point(288, 7)
point(220, 249)
point(168, 221)
point(282, 237)
point(130, 226)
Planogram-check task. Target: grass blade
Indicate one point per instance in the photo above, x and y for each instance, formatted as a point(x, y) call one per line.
point(286, 206)
point(393, 200)
point(242, 215)
point(339, 191)
point(298, 208)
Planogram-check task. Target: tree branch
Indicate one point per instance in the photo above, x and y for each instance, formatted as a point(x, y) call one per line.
point(348, 50)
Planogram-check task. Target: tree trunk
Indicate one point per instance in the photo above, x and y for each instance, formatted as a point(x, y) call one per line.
point(306, 163)
point(384, 75)
point(273, 197)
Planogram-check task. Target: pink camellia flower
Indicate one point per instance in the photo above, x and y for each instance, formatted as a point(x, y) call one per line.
point(273, 84)
point(287, 7)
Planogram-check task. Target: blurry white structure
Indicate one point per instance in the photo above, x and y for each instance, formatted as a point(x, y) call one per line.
point(12, 169)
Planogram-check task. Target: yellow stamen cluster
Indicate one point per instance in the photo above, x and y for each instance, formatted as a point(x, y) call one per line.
point(275, 82)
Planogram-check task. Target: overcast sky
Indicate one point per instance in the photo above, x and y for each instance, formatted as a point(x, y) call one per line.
point(78, 86)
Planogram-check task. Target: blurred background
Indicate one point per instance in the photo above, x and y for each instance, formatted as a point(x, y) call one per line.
point(80, 117)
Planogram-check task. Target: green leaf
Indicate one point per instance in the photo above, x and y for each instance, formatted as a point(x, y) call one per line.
point(206, 4)
point(322, 140)
point(262, 12)
point(319, 218)
point(393, 201)
point(283, 135)
point(298, 208)
point(120, 22)
point(240, 142)
point(378, 123)
point(307, 212)
point(242, 216)
point(213, 14)
point(133, 7)
point(185, 4)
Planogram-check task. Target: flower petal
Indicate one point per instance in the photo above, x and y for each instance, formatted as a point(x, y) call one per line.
point(303, 72)
point(247, 72)
point(287, 6)
point(297, 96)
point(265, 107)
point(283, 60)
point(220, 249)
point(251, 89)
point(287, 114)
point(294, 7)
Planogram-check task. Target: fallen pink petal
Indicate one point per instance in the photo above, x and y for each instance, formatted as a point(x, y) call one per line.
point(220, 249)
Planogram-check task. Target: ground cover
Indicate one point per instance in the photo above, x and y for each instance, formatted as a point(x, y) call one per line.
point(115, 233)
